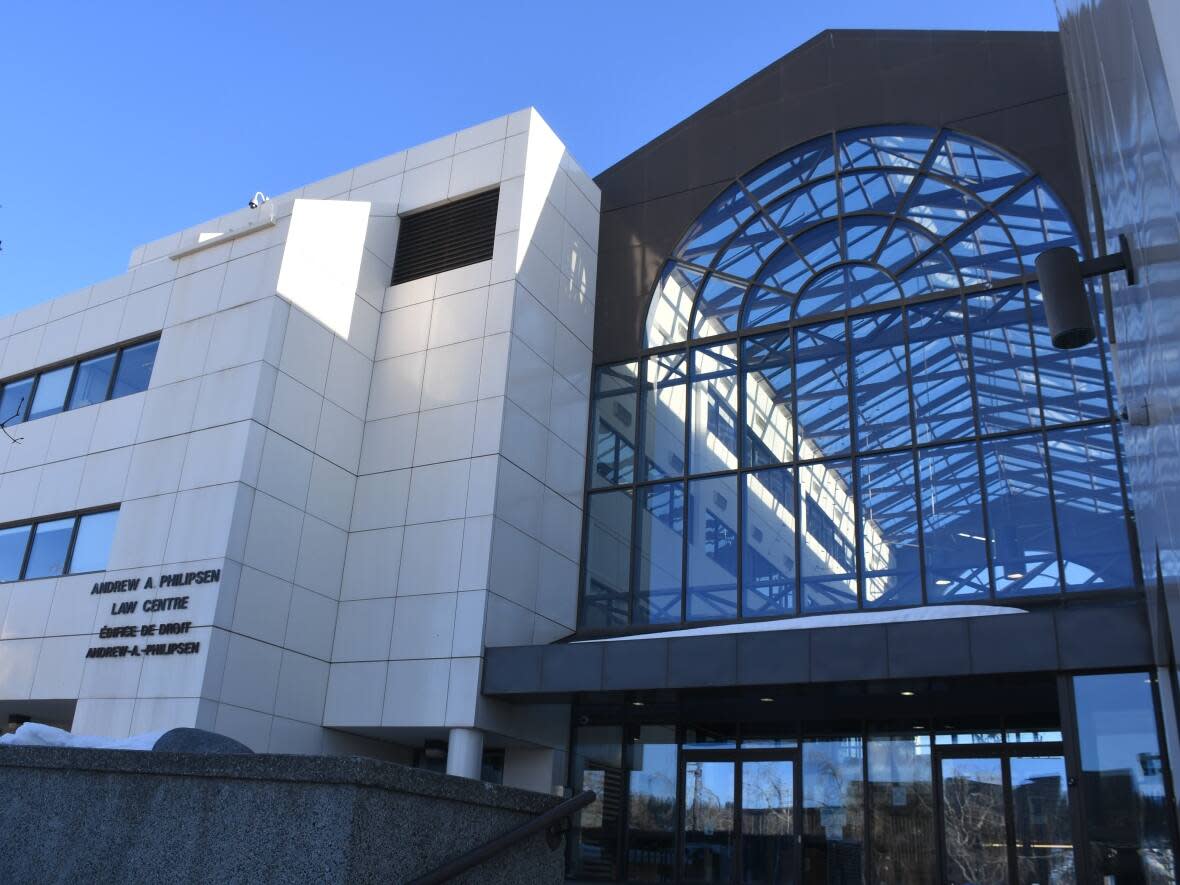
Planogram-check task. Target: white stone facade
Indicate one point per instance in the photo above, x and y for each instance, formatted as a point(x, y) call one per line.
point(389, 479)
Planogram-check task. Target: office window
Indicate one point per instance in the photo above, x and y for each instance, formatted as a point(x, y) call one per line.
point(135, 368)
point(81, 383)
point(49, 398)
point(58, 546)
point(51, 548)
point(93, 381)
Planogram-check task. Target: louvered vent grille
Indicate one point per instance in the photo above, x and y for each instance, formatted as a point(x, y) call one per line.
point(446, 237)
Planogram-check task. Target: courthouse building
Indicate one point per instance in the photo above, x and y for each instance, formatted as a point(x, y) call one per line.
point(742, 484)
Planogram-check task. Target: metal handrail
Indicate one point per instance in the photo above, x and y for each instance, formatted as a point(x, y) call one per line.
point(555, 821)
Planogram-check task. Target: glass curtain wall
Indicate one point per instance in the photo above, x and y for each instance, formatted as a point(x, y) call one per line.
point(849, 436)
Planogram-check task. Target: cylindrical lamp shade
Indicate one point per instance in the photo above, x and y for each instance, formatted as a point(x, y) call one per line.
point(1067, 309)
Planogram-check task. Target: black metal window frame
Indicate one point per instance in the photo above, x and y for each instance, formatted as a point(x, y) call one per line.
point(32, 525)
point(26, 404)
point(645, 382)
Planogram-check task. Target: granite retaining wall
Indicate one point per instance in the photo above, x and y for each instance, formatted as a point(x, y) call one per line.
point(69, 816)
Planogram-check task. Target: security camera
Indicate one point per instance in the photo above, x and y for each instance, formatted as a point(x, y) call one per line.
point(259, 199)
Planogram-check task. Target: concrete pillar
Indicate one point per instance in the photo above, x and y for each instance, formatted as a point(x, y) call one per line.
point(465, 752)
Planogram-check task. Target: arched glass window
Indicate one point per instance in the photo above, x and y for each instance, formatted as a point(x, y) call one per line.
point(849, 400)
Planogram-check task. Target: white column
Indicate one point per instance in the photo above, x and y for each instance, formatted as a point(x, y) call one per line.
point(465, 752)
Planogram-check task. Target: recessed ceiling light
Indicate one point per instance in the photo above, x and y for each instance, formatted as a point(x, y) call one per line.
point(767, 700)
point(919, 728)
point(1015, 576)
point(637, 703)
point(942, 582)
point(907, 694)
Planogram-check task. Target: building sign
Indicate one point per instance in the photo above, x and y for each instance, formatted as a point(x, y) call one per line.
point(161, 639)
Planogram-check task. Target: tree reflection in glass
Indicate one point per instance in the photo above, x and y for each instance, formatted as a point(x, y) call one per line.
point(974, 834)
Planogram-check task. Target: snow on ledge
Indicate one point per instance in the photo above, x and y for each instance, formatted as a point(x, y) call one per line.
point(34, 734)
point(844, 619)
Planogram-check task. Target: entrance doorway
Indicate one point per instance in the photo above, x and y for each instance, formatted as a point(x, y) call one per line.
point(1004, 815)
point(739, 817)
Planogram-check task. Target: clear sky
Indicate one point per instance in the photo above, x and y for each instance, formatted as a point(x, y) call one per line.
point(122, 122)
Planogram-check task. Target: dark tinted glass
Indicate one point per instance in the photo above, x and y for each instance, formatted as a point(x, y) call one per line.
point(659, 552)
point(135, 369)
point(606, 588)
point(1020, 516)
point(882, 395)
point(595, 831)
point(833, 809)
point(1123, 791)
point(614, 422)
point(902, 811)
point(51, 544)
point(1091, 512)
point(92, 547)
point(14, 401)
point(651, 823)
point(13, 542)
point(941, 371)
point(712, 548)
point(94, 378)
point(50, 396)
point(952, 524)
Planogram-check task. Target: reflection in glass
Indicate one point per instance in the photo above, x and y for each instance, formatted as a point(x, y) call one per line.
point(13, 542)
point(1020, 516)
point(952, 523)
point(50, 397)
point(607, 583)
point(92, 547)
point(596, 830)
point(713, 443)
point(708, 821)
point(768, 825)
point(614, 424)
point(659, 551)
point(651, 819)
point(135, 369)
point(14, 401)
point(821, 390)
point(1073, 382)
point(1040, 816)
point(1001, 349)
point(51, 546)
point(94, 377)
point(1123, 791)
point(663, 416)
point(889, 531)
point(712, 548)
point(941, 372)
point(827, 554)
point(974, 833)
point(882, 394)
point(768, 557)
point(902, 811)
point(833, 811)
point(1091, 513)
point(770, 425)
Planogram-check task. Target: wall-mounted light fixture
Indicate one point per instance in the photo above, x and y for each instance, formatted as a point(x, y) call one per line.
point(1060, 273)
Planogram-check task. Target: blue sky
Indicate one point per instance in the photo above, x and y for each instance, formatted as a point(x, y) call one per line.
point(122, 122)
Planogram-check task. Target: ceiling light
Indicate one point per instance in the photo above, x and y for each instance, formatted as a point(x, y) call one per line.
point(919, 728)
point(907, 694)
point(1015, 576)
point(767, 700)
point(637, 703)
point(942, 582)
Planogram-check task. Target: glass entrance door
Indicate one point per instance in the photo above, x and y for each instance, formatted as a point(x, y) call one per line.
point(739, 820)
point(1005, 820)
